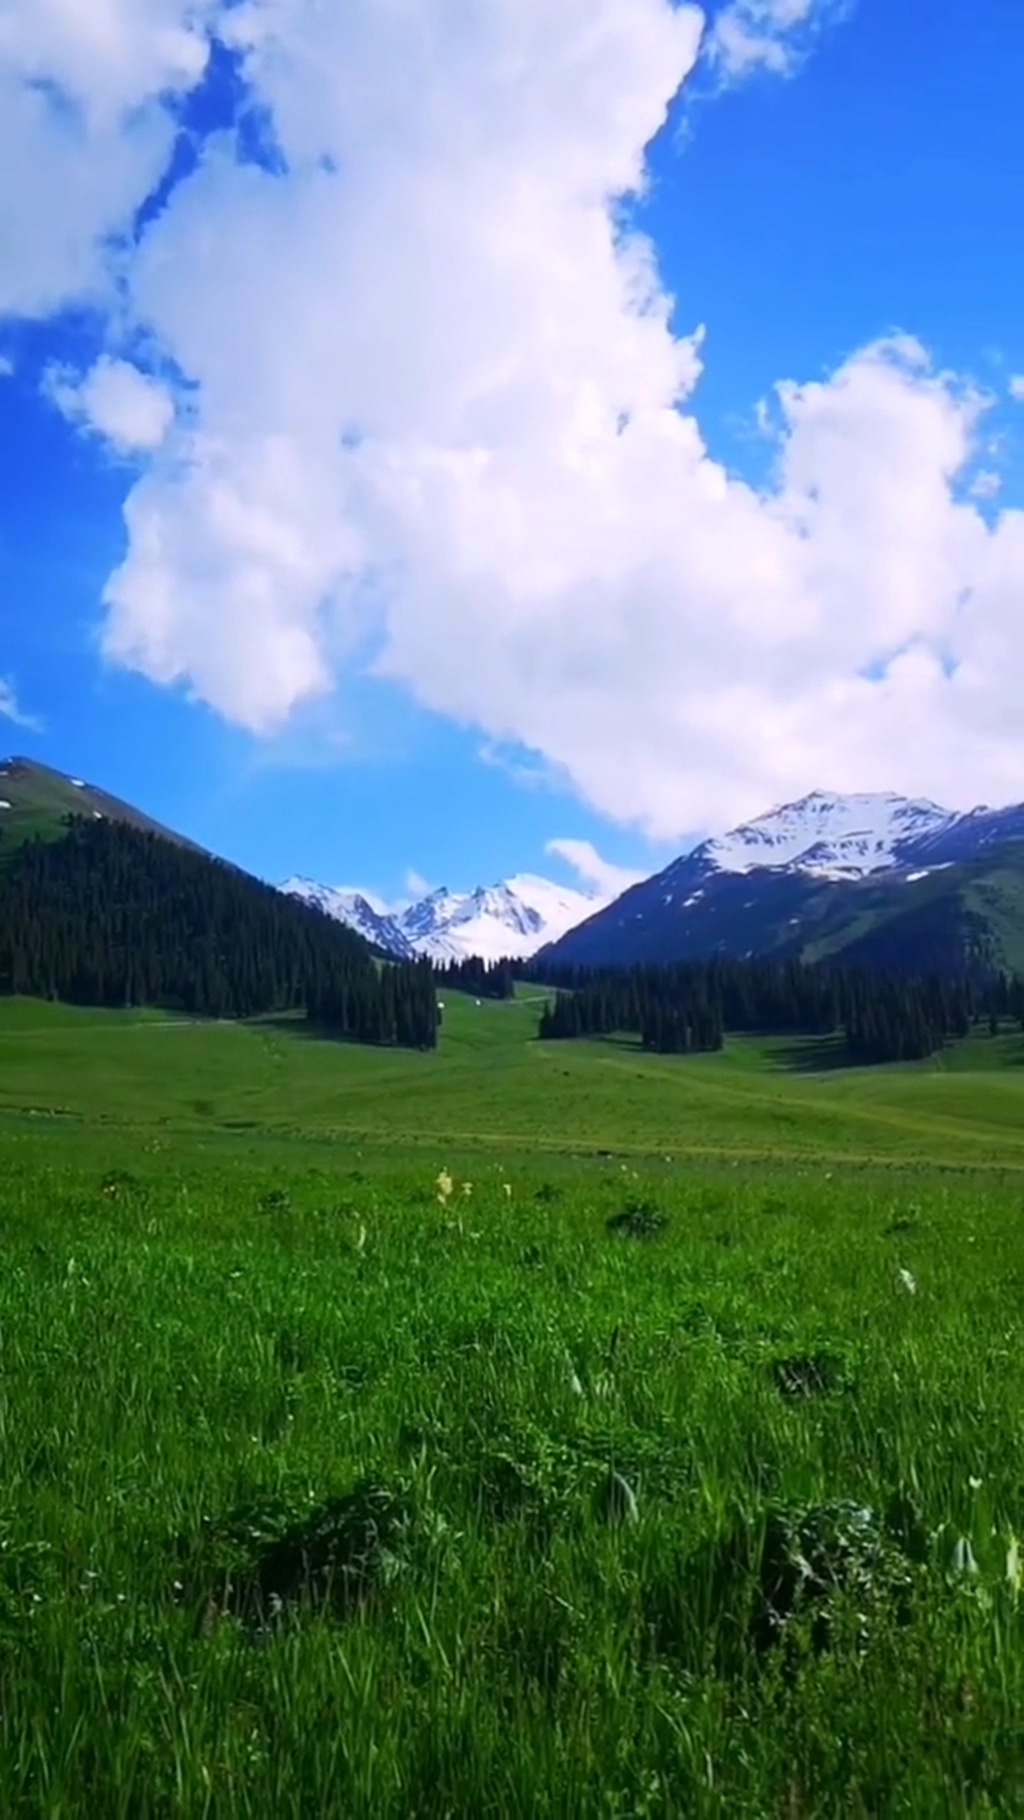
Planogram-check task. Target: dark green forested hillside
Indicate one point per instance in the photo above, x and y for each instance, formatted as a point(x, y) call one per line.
point(959, 919)
point(111, 915)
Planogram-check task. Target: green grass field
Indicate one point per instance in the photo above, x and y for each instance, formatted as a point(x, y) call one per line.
point(305, 1503)
point(493, 1087)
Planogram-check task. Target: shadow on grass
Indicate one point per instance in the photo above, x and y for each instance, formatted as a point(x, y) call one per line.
point(815, 1055)
point(295, 1024)
point(336, 1558)
point(794, 1055)
point(288, 1023)
point(829, 1054)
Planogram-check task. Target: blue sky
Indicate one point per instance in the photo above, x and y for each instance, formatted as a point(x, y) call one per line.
point(623, 663)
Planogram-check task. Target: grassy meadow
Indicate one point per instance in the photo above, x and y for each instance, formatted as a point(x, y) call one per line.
point(664, 1457)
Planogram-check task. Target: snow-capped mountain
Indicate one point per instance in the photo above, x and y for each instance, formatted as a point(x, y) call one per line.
point(829, 836)
point(758, 889)
point(365, 914)
point(506, 921)
point(766, 886)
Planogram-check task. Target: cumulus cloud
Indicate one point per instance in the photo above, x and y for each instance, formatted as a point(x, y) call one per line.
point(115, 400)
point(773, 35)
point(1016, 388)
point(597, 874)
point(441, 424)
point(477, 156)
point(11, 710)
point(85, 132)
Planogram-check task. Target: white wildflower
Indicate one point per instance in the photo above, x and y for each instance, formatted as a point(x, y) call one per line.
point(907, 1282)
point(963, 1558)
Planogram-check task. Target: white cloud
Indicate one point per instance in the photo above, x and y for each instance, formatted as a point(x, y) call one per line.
point(416, 886)
point(115, 400)
point(6, 366)
point(10, 709)
point(478, 156)
point(1016, 388)
point(599, 874)
point(986, 484)
point(773, 35)
point(440, 414)
point(84, 133)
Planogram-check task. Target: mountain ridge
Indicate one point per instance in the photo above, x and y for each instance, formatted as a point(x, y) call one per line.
point(876, 878)
point(824, 834)
point(828, 834)
point(508, 920)
point(822, 876)
point(37, 800)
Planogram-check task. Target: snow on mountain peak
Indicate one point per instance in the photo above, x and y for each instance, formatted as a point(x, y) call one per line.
point(360, 910)
point(508, 920)
point(824, 834)
point(831, 836)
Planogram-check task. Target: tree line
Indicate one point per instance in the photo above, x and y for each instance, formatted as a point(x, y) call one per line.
point(689, 1007)
point(481, 979)
point(402, 1008)
point(109, 915)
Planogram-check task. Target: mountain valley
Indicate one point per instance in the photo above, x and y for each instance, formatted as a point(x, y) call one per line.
point(878, 878)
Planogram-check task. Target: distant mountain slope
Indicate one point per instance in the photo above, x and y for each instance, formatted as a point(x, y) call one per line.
point(506, 921)
point(36, 800)
point(880, 880)
point(955, 918)
point(509, 920)
point(357, 911)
